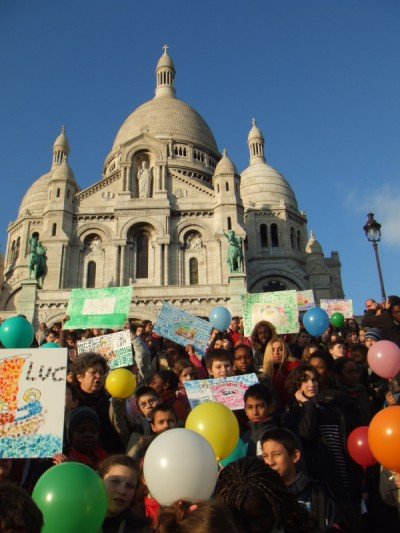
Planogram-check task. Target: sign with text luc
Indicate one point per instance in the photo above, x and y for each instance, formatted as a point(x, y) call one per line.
point(32, 402)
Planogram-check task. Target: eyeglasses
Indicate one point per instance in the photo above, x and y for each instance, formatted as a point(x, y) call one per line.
point(150, 403)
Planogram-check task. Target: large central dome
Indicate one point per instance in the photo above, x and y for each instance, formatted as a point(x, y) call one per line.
point(165, 117)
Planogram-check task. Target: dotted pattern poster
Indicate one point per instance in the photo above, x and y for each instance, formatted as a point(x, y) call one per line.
point(32, 400)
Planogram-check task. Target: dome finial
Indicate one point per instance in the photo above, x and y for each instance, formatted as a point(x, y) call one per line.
point(253, 122)
point(165, 75)
point(60, 148)
point(224, 152)
point(255, 140)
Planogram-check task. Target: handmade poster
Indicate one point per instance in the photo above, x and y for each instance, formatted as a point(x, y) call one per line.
point(32, 401)
point(98, 308)
point(338, 306)
point(116, 348)
point(279, 308)
point(183, 328)
point(228, 391)
point(305, 300)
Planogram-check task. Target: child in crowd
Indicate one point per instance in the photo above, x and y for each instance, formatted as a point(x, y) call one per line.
point(163, 419)
point(337, 349)
point(219, 363)
point(280, 452)
point(185, 372)
point(196, 361)
point(83, 433)
point(259, 406)
point(120, 477)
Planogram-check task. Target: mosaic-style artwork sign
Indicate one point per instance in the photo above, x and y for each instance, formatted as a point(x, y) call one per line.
point(279, 308)
point(228, 391)
point(338, 306)
point(305, 300)
point(32, 402)
point(183, 328)
point(99, 308)
point(116, 348)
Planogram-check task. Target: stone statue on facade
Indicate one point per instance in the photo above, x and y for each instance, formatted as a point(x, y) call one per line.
point(144, 181)
point(235, 253)
point(37, 262)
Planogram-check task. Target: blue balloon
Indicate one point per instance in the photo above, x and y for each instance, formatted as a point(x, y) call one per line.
point(220, 318)
point(50, 345)
point(316, 321)
point(239, 452)
point(16, 332)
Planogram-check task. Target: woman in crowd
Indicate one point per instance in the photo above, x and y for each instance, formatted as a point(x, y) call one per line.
point(277, 365)
point(262, 333)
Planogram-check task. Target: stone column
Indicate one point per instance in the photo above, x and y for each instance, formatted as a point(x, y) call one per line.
point(160, 264)
point(163, 177)
point(116, 264)
point(122, 266)
point(166, 264)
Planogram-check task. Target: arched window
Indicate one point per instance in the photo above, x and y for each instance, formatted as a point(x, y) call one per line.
point(17, 248)
point(264, 236)
point(12, 253)
point(298, 240)
point(229, 222)
point(142, 256)
point(292, 238)
point(53, 230)
point(67, 193)
point(91, 275)
point(193, 271)
point(58, 193)
point(274, 285)
point(227, 186)
point(274, 235)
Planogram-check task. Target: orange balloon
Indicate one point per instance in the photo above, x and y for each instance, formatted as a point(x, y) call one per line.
point(384, 437)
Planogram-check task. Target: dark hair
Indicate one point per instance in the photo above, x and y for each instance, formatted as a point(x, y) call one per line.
point(359, 349)
point(169, 378)
point(304, 331)
point(297, 376)
point(72, 388)
point(203, 517)
point(18, 512)
point(284, 437)
point(87, 360)
point(325, 356)
point(393, 300)
point(117, 459)
point(146, 323)
point(243, 347)
point(162, 408)
point(338, 341)
point(341, 362)
point(180, 365)
point(251, 479)
point(144, 390)
point(259, 392)
point(52, 332)
point(218, 354)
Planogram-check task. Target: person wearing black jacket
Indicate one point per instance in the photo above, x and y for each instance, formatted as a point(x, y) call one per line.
point(386, 318)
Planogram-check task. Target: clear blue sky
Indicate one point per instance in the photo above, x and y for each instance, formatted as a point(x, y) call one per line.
point(322, 78)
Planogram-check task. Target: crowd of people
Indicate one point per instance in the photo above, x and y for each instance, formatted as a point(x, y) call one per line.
point(297, 474)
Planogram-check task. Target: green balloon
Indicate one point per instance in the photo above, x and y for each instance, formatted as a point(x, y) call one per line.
point(72, 498)
point(50, 345)
point(239, 452)
point(337, 320)
point(16, 332)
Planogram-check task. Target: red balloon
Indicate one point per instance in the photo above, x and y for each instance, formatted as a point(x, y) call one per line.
point(358, 447)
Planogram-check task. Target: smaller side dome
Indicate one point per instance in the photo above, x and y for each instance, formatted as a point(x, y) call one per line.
point(165, 60)
point(165, 76)
point(61, 148)
point(313, 246)
point(63, 172)
point(225, 165)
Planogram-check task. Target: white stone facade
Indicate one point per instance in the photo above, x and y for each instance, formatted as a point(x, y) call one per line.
point(156, 221)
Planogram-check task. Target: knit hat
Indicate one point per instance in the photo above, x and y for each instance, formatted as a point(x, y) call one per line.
point(373, 333)
point(77, 415)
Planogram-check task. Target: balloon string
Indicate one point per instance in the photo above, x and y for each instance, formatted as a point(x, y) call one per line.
point(364, 480)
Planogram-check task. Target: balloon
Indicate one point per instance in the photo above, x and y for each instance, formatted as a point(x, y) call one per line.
point(216, 423)
point(337, 320)
point(384, 359)
point(180, 465)
point(358, 447)
point(384, 437)
point(16, 332)
point(72, 498)
point(121, 383)
point(50, 345)
point(220, 318)
point(239, 452)
point(316, 321)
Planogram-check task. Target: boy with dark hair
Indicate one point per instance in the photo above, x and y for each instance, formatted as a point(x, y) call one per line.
point(18, 512)
point(258, 406)
point(281, 453)
point(163, 419)
point(219, 363)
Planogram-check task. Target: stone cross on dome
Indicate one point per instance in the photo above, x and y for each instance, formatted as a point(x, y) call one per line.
point(165, 48)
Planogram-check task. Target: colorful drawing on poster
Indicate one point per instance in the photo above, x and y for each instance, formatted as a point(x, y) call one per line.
point(305, 300)
point(228, 391)
point(116, 348)
point(99, 308)
point(32, 401)
point(183, 328)
point(338, 306)
point(279, 308)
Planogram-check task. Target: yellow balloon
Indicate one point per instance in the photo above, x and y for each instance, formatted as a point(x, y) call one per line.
point(121, 383)
point(217, 424)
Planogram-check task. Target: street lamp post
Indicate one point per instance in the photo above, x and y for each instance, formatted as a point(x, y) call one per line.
point(372, 230)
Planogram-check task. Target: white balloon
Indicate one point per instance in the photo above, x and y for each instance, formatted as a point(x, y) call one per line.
point(180, 465)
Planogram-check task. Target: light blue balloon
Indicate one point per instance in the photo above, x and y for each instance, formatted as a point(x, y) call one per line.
point(239, 452)
point(316, 321)
point(16, 332)
point(50, 345)
point(220, 318)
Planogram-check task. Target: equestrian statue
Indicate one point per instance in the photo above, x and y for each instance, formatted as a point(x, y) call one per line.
point(37, 263)
point(235, 252)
